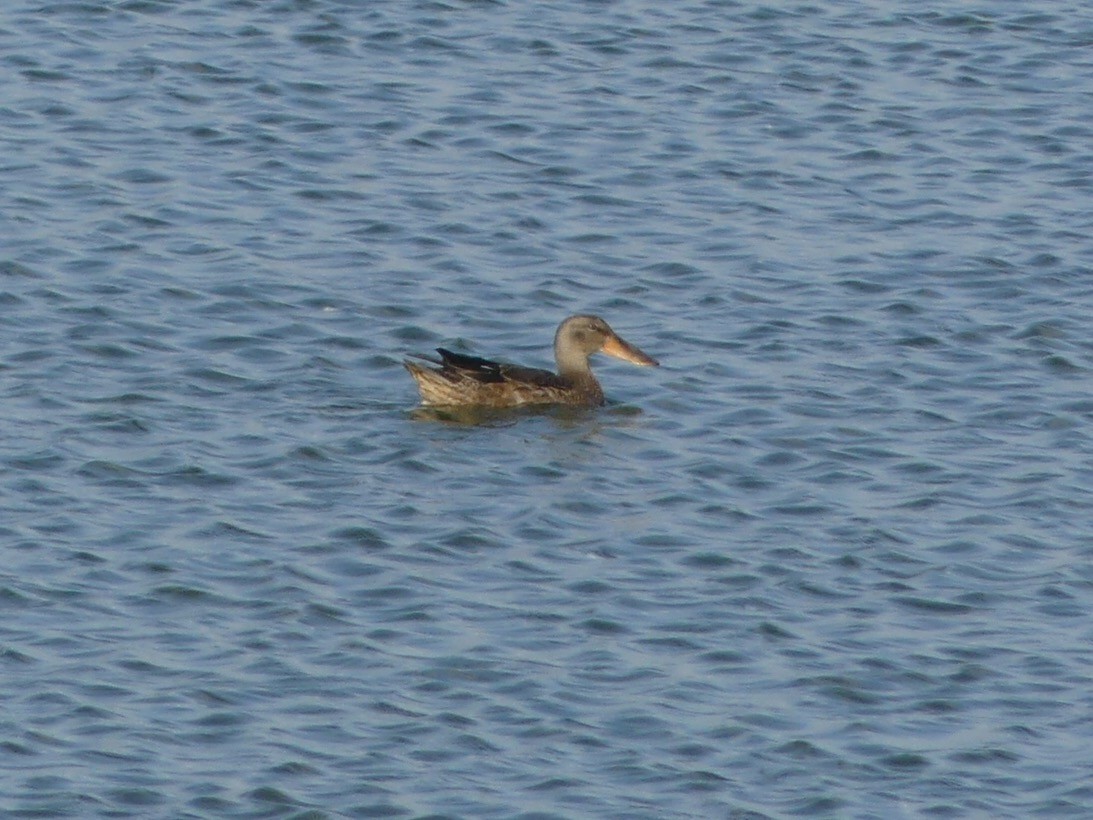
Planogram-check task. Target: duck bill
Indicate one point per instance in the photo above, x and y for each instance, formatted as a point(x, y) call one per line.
point(614, 346)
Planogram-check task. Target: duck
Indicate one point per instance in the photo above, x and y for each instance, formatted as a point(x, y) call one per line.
point(465, 381)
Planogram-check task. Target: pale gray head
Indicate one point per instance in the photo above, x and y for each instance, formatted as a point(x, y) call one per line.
point(578, 337)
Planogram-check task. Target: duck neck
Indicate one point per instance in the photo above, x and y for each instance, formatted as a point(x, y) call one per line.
point(573, 367)
point(573, 364)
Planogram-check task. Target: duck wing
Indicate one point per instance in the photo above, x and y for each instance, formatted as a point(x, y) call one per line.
point(488, 371)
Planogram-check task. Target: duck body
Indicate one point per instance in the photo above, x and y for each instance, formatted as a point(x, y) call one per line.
point(470, 381)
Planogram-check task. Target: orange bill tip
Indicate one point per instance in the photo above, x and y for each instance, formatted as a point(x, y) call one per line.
point(614, 346)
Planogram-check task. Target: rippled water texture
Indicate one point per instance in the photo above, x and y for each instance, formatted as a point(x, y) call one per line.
point(832, 559)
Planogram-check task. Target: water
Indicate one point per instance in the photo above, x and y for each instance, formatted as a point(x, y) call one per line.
point(831, 559)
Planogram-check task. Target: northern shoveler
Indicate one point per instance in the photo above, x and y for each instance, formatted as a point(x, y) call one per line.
point(468, 380)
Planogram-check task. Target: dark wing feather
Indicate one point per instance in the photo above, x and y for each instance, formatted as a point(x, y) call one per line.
point(487, 371)
point(532, 376)
point(482, 370)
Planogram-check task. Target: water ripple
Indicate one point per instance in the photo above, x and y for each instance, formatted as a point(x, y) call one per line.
point(827, 560)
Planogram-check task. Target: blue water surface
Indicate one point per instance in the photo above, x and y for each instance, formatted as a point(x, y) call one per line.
point(832, 559)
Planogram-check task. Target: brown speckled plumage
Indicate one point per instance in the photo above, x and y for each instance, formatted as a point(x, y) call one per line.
point(467, 380)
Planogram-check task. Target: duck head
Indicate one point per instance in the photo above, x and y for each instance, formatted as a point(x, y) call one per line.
point(578, 337)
